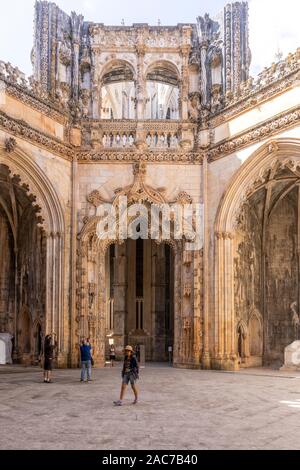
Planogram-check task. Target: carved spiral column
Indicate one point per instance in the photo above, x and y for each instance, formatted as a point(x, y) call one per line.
point(225, 354)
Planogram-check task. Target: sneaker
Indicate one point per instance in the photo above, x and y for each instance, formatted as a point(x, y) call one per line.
point(118, 403)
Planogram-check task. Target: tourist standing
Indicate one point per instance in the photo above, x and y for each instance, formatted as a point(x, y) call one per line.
point(49, 352)
point(112, 355)
point(86, 360)
point(130, 373)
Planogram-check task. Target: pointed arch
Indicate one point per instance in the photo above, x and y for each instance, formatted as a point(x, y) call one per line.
point(254, 173)
point(37, 183)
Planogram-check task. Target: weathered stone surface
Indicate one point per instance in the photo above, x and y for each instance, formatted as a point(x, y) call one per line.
point(5, 349)
point(292, 357)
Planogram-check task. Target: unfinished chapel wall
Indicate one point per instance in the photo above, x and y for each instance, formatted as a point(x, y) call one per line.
point(161, 115)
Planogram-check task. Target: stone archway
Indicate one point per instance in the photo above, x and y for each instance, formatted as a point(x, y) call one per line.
point(91, 275)
point(26, 179)
point(263, 190)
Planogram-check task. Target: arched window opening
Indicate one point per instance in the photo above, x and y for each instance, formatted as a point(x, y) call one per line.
point(162, 86)
point(118, 93)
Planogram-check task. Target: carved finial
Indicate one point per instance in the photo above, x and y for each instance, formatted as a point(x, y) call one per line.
point(10, 144)
point(278, 55)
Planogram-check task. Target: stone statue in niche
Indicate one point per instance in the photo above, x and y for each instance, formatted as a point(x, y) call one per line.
point(295, 319)
point(65, 54)
point(63, 93)
point(216, 97)
point(85, 101)
point(194, 107)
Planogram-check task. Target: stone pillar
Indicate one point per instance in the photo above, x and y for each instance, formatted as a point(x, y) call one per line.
point(120, 288)
point(73, 262)
point(184, 89)
point(140, 84)
point(97, 322)
point(76, 28)
point(96, 85)
point(185, 76)
point(177, 308)
point(197, 309)
point(206, 269)
point(203, 54)
point(225, 353)
point(54, 291)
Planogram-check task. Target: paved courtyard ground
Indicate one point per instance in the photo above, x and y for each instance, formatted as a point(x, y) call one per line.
point(178, 409)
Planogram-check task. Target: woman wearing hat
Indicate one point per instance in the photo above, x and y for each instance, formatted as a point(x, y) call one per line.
point(130, 373)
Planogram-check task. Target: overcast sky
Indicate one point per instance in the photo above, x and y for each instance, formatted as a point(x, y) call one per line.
point(274, 24)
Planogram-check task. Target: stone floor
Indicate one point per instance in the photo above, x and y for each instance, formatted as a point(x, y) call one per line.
point(178, 409)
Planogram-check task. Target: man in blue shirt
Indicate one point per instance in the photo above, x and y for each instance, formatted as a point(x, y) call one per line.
point(86, 360)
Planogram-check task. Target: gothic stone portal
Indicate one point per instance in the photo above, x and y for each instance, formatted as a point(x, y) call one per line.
point(142, 293)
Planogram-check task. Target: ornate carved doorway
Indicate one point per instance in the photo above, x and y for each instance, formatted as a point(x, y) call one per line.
point(156, 298)
point(140, 297)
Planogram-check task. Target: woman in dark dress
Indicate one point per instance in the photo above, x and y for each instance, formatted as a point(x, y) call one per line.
point(112, 355)
point(49, 348)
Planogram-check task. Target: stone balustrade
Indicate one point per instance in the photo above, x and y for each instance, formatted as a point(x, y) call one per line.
point(118, 139)
point(162, 140)
point(131, 133)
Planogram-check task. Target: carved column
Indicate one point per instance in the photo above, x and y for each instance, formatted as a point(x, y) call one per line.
point(203, 54)
point(96, 85)
point(184, 89)
point(140, 83)
point(97, 321)
point(185, 78)
point(120, 288)
point(54, 291)
point(206, 269)
point(76, 23)
point(225, 353)
point(185, 325)
point(197, 308)
point(73, 257)
point(177, 308)
point(228, 63)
